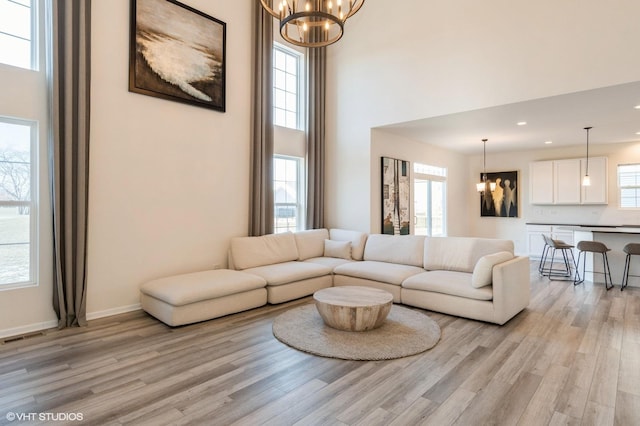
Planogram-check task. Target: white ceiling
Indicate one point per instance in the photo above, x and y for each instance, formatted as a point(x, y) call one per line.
point(561, 119)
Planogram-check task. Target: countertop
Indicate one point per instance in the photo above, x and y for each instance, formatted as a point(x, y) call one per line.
point(609, 229)
point(604, 229)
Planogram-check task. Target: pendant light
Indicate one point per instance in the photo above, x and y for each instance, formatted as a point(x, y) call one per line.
point(312, 23)
point(482, 186)
point(586, 180)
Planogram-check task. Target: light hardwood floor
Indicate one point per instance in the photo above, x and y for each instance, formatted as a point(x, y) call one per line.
point(572, 357)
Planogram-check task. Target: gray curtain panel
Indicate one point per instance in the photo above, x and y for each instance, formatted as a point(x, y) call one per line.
point(316, 138)
point(69, 79)
point(261, 192)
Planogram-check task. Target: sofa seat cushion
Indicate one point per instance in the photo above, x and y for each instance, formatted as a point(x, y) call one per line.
point(448, 282)
point(390, 273)
point(179, 290)
point(287, 272)
point(331, 262)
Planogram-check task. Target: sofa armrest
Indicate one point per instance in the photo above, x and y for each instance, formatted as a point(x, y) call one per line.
point(511, 288)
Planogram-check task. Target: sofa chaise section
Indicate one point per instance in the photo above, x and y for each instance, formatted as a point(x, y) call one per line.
point(199, 296)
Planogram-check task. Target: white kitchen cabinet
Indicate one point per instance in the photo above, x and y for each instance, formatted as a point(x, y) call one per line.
point(560, 181)
point(566, 181)
point(541, 182)
point(597, 192)
point(535, 242)
point(557, 233)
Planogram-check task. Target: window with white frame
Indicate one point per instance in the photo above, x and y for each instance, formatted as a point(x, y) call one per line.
point(287, 87)
point(24, 210)
point(629, 185)
point(288, 194)
point(17, 29)
point(430, 200)
point(18, 213)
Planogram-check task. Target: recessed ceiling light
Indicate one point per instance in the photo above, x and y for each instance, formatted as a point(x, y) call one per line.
point(637, 133)
point(548, 142)
point(637, 107)
point(523, 123)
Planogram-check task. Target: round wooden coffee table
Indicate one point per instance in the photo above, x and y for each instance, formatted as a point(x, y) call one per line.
point(353, 308)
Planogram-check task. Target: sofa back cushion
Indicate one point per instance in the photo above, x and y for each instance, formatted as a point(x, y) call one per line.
point(251, 252)
point(460, 253)
point(358, 241)
point(401, 249)
point(310, 243)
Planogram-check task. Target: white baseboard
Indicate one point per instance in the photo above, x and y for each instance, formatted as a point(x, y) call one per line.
point(32, 328)
point(114, 311)
point(27, 329)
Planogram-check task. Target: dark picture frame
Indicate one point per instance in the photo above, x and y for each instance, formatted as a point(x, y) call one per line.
point(177, 53)
point(396, 187)
point(503, 201)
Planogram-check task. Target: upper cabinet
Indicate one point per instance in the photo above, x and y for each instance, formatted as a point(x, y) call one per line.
point(541, 182)
point(560, 181)
point(596, 193)
point(566, 181)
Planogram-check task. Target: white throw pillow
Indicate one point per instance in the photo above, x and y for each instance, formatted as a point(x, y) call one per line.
point(483, 271)
point(338, 249)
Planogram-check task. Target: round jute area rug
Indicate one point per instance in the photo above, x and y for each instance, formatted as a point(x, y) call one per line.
point(405, 332)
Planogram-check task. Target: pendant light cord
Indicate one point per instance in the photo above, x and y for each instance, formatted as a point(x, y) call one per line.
point(484, 160)
point(587, 166)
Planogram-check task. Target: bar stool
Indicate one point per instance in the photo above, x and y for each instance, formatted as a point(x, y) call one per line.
point(593, 247)
point(632, 249)
point(543, 256)
point(551, 245)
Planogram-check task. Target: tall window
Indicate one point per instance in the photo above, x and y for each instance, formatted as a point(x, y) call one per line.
point(430, 201)
point(287, 84)
point(17, 208)
point(17, 29)
point(23, 260)
point(288, 193)
point(629, 185)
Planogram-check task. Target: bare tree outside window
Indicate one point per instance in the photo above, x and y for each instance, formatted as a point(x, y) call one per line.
point(15, 178)
point(17, 215)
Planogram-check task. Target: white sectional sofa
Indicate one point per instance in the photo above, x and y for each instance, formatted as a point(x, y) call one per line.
point(475, 278)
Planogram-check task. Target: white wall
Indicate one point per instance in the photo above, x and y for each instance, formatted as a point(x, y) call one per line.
point(463, 201)
point(169, 182)
point(417, 59)
point(384, 144)
point(515, 228)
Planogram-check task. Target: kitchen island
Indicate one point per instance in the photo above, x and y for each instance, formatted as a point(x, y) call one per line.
point(615, 237)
